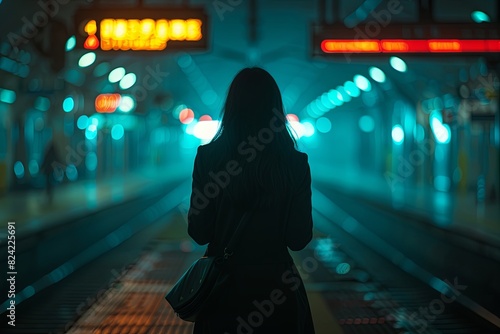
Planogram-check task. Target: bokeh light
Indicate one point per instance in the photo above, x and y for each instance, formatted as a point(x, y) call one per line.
point(398, 134)
point(323, 125)
point(116, 74)
point(68, 104)
point(398, 64)
point(87, 59)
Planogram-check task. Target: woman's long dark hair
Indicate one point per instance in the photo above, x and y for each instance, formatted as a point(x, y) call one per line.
point(254, 133)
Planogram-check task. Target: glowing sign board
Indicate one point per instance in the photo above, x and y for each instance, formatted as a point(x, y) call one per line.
point(463, 39)
point(141, 29)
point(107, 103)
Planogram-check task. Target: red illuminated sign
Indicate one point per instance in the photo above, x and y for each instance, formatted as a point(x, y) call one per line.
point(464, 39)
point(410, 46)
point(107, 103)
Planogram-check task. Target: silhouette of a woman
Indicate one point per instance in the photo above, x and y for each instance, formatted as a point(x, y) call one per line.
point(253, 164)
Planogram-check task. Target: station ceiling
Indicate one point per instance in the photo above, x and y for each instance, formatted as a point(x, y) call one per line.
point(282, 46)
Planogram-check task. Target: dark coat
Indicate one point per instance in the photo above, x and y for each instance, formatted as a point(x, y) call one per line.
point(265, 293)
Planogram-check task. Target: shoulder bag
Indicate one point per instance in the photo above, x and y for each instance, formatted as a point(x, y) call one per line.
point(198, 287)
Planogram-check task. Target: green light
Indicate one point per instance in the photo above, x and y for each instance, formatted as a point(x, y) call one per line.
point(70, 43)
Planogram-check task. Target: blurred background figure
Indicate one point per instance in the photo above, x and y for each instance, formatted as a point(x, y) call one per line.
point(51, 167)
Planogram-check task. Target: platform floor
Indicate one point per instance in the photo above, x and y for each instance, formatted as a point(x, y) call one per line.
point(351, 289)
point(32, 211)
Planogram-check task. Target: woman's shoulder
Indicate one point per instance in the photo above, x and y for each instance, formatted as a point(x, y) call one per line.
point(299, 159)
point(205, 149)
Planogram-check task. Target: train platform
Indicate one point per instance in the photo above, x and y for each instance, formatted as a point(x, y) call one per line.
point(125, 243)
point(454, 212)
point(34, 212)
point(351, 288)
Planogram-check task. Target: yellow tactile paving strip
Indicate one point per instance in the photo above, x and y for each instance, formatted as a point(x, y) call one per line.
point(136, 303)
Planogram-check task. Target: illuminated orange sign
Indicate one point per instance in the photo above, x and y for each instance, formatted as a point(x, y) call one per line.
point(145, 34)
point(409, 46)
point(142, 29)
point(107, 103)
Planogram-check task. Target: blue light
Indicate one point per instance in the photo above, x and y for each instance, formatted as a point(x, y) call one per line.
point(91, 161)
point(209, 97)
point(42, 103)
point(335, 97)
point(68, 104)
point(74, 77)
point(343, 95)
point(116, 74)
point(366, 123)
point(101, 69)
point(71, 172)
point(323, 125)
point(419, 133)
point(320, 107)
point(442, 132)
point(351, 89)
point(19, 169)
point(127, 103)
point(7, 95)
point(70, 43)
point(325, 100)
point(128, 81)
point(312, 110)
point(82, 122)
point(205, 130)
point(91, 132)
point(362, 83)
point(398, 135)
point(377, 74)
point(308, 128)
point(343, 268)
point(185, 61)
point(398, 64)
point(442, 183)
point(87, 59)
point(117, 132)
point(33, 167)
point(479, 17)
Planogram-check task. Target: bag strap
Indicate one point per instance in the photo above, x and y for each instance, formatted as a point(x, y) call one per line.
point(229, 250)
